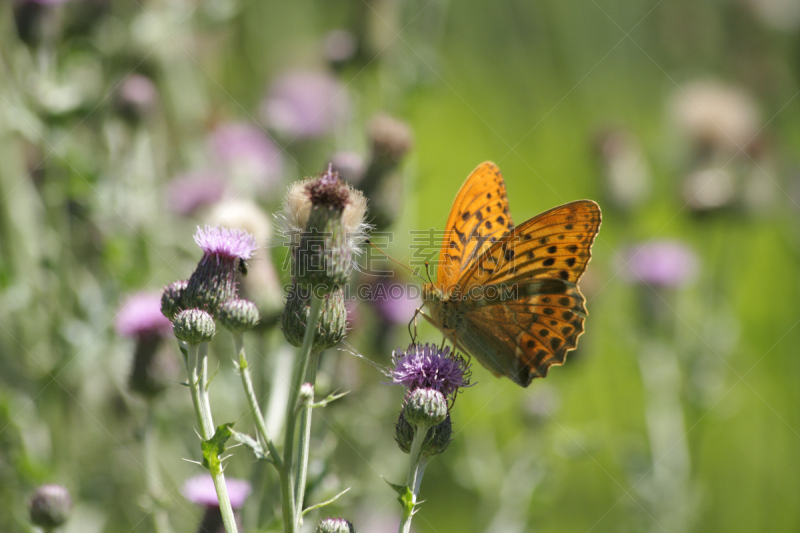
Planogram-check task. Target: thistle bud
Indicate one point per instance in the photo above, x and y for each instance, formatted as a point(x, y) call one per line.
point(335, 525)
point(172, 298)
point(331, 324)
point(50, 506)
point(306, 393)
point(323, 256)
point(194, 326)
point(437, 439)
point(425, 407)
point(238, 315)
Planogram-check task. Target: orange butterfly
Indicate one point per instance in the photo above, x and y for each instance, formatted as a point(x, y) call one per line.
point(509, 296)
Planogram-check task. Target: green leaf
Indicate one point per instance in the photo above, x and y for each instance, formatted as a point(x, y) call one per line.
point(326, 502)
point(251, 443)
point(329, 399)
point(185, 352)
point(214, 447)
point(404, 496)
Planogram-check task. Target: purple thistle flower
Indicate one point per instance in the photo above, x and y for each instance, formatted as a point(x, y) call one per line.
point(200, 491)
point(305, 104)
point(224, 242)
point(214, 280)
point(427, 366)
point(661, 263)
point(140, 316)
point(247, 153)
point(191, 191)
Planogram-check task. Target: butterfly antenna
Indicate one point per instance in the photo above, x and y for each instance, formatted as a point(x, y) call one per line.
point(390, 258)
point(428, 271)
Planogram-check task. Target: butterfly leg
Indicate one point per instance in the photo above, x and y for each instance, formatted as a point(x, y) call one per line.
point(455, 348)
point(413, 322)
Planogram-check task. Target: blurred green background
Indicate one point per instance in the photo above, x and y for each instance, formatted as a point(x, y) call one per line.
point(678, 412)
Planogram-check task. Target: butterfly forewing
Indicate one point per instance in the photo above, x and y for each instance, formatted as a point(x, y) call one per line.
point(479, 217)
point(554, 245)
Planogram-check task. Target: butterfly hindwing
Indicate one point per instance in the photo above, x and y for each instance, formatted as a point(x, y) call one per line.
point(479, 217)
point(530, 328)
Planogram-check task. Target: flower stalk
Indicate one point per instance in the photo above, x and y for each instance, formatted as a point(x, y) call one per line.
point(252, 400)
point(416, 469)
point(303, 445)
point(290, 504)
point(197, 368)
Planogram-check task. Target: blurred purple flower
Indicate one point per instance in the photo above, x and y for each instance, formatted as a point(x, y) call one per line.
point(349, 165)
point(193, 190)
point(661, 263)
point(43, 2)
point(305, 104)
point(339, 46)
point(137, 93)
point(426, 366)
point(246, 151)
point(200, 491)
point(393, 304)
point(140, 316)
point(224, 242)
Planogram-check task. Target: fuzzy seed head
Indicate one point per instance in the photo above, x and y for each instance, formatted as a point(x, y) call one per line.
point(391, 138)
point(297, 205)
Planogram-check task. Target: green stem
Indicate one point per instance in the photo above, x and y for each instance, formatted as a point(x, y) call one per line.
point(305, 439)
point(198, 385)
point(416, 469)
point(158, 516)
point(255, 409)
point(289, 504)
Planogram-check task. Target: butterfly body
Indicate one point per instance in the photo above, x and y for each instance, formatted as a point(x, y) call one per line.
point(508, 295)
